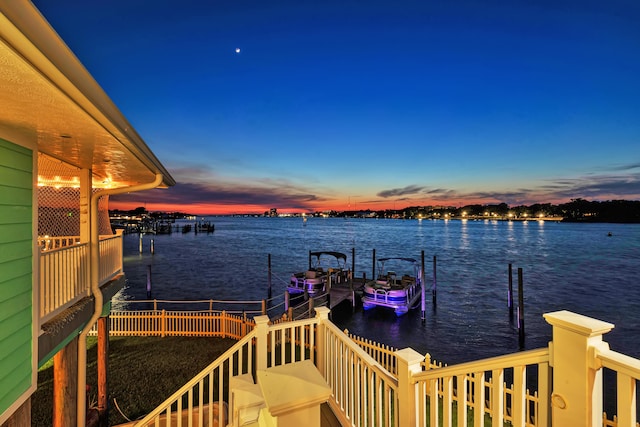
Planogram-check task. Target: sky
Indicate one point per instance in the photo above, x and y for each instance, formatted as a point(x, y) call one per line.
point(343, 105)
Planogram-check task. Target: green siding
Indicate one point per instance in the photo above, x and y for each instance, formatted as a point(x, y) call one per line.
point(13, 195)
point(16, 257)
point(13, 233)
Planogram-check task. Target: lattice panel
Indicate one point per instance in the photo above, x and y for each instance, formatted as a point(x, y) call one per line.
point(59, 200)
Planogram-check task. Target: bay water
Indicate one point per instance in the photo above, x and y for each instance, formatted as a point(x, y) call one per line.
point(591, 269)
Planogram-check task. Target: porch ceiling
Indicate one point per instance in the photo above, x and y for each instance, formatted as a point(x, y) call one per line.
point(49, 97)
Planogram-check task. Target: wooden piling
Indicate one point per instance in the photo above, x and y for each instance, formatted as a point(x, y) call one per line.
point(65, 383)
point(287, 303)
point(423, 291)
point(264, 307)
point(520, 309)
point(510, 292)
point(140, 243)
point(353, 267)
point(152, 247)
point(103, 366)
point(269, 277)
point(309, 260)
point(373, 266)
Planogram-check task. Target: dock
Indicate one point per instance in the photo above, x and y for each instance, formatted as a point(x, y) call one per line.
point(345, 291)
point(338, 293)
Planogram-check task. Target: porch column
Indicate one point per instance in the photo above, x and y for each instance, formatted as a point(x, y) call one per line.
point(408, 365)
point(65, 384)
point(576, 399)
point(85, 202)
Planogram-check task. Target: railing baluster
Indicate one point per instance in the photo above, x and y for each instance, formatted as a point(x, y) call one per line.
point(518, 399)
point(626, 400)
point(478, 399)
point(497, 397)
point(433, 402)
point(447, 401)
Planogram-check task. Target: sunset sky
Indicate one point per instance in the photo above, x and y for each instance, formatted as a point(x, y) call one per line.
point(369, 104)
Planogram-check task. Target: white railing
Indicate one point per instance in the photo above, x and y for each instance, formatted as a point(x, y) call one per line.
point(480, 388)
point(198, 403)
point(64, 270)
point(265, 346)
point(64, 279)
point(364, 392)
point(627, 371)
point(492, 391)
point(110, 257)
point(46, 243)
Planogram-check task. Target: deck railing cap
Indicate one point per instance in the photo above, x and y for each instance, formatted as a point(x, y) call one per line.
point(409, 355)
point(583, 325)
point(262, 319)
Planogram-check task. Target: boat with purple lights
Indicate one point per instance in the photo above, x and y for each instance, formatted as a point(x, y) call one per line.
point(325, 267)
point(400, 292)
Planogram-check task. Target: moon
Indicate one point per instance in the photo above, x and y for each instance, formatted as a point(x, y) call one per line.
point(237, 50)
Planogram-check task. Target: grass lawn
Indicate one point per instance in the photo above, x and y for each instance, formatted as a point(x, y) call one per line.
point(143, 372)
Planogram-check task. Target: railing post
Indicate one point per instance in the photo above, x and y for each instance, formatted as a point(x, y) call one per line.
point(223, 324)
point(262, 330)
point(576, 399)
point(322, 314)
point(409, 364)
point(163, 333)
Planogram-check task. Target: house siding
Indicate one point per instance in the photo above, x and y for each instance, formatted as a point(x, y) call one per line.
point(16, 275)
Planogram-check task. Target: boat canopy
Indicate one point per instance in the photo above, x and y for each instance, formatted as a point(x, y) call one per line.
point(401, 259)
point(338, 255)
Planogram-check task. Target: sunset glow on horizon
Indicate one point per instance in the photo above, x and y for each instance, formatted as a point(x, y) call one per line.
point(334, 105)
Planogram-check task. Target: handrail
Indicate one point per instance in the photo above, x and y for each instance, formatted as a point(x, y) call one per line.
point(197, 381)
point(619, 362)
point(529, 357)
point(373, 363)
point(467, 386)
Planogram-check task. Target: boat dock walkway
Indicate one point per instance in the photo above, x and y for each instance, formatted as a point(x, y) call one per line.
point(337, 294)
point(345, 291)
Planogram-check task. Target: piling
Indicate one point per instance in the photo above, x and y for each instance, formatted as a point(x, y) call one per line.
point(140, 242)
point(309, 260)
point(422, 297)
point(153, 250)
point(148, 281)
point(510, 292)
point(520, 309)
point(373, 266)
point(286, 300)
point(269, 277)
point(434, 288)
point(353, 267)
point(264, 307)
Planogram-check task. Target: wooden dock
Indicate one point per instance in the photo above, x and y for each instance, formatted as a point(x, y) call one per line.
point(344, 291)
